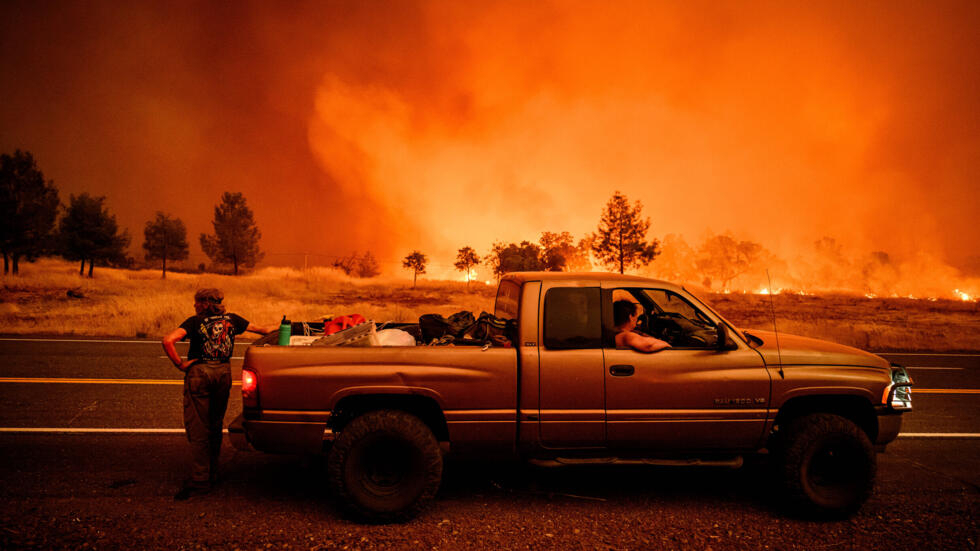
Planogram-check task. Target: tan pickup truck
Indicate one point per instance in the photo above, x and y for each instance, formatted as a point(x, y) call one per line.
point(564, 393)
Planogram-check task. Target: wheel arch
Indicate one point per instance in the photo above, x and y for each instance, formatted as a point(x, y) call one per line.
point(854, 408)
point(423, 407)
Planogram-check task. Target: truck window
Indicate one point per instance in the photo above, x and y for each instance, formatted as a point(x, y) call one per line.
point(508, 298)
point(572, 318)
point(672, 303)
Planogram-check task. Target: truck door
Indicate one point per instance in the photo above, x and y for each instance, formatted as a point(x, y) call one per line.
point(571, 381)
point(691, 396)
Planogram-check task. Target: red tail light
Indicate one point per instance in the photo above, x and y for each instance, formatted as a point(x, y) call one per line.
point(250, 388)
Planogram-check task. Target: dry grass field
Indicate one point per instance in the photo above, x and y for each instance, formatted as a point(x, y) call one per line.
point(126, 303)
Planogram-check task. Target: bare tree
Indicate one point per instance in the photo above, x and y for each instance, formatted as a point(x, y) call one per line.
point(415, 261)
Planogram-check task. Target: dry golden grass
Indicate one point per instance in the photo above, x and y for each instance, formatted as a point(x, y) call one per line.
point(139, 303)
point(871, 324)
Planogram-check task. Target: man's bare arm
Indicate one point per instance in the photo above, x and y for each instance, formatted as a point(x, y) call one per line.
point(645, 344)
point(260, 329)
point(170, 348)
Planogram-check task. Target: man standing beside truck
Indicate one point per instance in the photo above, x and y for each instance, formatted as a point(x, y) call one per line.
point(207, 381)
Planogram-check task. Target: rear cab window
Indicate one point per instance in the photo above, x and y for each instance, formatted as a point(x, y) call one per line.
point(508, 300)
point(572, 318)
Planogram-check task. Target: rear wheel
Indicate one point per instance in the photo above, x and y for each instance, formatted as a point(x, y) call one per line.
point(385, 466)
point(828, 465)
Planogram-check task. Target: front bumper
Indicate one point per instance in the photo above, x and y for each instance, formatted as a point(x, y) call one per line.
point(889, 425)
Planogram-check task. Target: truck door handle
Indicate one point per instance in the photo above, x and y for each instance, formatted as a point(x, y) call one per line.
point(621, 370)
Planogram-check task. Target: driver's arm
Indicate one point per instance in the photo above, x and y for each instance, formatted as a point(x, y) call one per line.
point(643, 343)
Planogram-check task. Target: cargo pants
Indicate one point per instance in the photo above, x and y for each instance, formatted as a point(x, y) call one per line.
point(206, 389)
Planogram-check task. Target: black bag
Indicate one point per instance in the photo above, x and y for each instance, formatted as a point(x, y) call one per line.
point(493, 330)
point(436, 326)
point(432, 327)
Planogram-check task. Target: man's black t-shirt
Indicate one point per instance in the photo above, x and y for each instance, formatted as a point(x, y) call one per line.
point(213, 337)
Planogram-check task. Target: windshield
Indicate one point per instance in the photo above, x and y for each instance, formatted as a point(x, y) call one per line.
point(713, 311)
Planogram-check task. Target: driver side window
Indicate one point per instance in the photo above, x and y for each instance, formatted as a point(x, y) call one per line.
point(677, 321)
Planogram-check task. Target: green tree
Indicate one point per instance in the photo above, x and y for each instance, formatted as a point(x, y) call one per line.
point(165, 238)
point(87, 232)
point(236, 237)
point(466, 260)
point(620, 241)
point(512, 257)
point(415, 261)
point(28, 208)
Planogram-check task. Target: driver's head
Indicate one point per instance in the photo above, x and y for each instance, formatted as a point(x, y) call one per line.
point(623, 310)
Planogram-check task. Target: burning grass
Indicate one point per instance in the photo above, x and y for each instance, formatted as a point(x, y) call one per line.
point(139, 303)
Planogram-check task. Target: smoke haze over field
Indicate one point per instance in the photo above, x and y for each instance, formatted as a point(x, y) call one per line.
point(400, 125)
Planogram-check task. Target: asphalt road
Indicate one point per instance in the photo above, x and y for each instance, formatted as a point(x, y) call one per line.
point(91, 452)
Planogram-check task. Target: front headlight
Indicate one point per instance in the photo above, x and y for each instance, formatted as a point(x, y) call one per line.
point(898, 395)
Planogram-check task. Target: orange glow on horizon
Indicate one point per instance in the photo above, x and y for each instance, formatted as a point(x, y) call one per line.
point(443, 125)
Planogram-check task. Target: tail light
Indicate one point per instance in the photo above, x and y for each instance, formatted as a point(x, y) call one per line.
point(250, 388)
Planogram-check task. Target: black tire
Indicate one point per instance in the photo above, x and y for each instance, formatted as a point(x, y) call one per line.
point(827, 465)
point(385, 466)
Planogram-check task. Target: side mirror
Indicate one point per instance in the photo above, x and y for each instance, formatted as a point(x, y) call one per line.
point(722, 342)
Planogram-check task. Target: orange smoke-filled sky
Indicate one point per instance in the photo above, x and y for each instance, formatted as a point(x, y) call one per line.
point(391, 126)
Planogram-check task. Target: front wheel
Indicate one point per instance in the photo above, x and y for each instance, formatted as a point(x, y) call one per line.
point(385, 466)
point(827, 464)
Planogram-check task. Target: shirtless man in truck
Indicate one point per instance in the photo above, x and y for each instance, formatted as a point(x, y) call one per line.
point(625, 314)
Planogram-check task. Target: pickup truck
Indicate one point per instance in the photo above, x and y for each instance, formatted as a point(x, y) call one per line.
point(564, 393)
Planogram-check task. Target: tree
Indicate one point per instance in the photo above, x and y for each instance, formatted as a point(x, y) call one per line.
point(89, 232)
point(415, 262)
point(559, 252)
point(165, 238)
point(236, 237)
point(620, 241)
point(346, 263)
point(466, 259)
point(366, 266)
point(28, 208)
point(677, 260)
point(724, 258)
point(363, 266)
point(510, 257)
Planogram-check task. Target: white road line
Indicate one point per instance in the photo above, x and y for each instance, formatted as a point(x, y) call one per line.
point(157, 342)
point(77, 381)
point(939, 435)
point(26, 430)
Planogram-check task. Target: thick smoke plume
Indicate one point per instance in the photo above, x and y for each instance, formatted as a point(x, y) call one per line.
point(397, 126)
